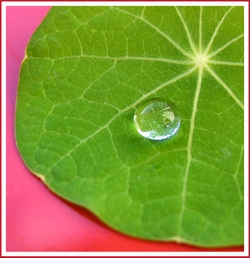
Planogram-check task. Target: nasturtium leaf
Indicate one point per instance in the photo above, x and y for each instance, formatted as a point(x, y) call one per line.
point(88, 68)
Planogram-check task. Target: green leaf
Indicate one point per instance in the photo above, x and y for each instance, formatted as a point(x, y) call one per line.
point(86, 70)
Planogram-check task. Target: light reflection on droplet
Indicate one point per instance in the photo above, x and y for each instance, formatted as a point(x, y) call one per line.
point(156, 119)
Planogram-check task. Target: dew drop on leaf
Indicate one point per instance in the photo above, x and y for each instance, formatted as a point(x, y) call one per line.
point(156, 119)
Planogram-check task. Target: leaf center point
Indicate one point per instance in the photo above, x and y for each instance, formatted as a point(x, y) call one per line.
point(201, 60)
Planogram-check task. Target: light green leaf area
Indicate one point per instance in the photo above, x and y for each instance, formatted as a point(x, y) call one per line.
point(86, 70)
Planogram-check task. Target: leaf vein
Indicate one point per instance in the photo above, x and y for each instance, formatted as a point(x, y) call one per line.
point(216, 31)
point(187, 32)
point(131, 106)
point(225, 46)
point(225, 63)
point(159, 32)
point(229, 91)
point(200, 30)
point(189, 144)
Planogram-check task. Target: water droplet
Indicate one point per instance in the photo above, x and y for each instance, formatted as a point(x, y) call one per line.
point(156, 119)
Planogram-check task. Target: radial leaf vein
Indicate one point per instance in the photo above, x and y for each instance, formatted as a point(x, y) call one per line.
point(143, 10)
point(179, 77)
point(200, 30)
point(119, 58)
point(229, 91)
point(216, 31)
point(217, 62)
point(187, 32)
point(160, 32)
point(226, 45)
point(190, 141)
point(168, 38)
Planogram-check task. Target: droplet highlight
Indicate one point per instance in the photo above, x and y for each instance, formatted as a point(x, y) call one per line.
point(156, 119)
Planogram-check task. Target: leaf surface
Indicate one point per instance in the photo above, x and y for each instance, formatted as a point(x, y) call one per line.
point(86, 70)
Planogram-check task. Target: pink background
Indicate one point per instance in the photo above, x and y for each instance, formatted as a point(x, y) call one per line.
point(37, 220)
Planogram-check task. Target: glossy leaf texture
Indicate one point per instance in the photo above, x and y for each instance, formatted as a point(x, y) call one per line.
point(86, 70)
